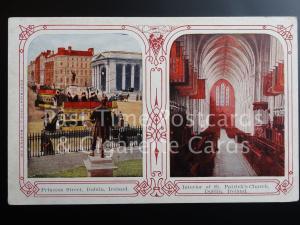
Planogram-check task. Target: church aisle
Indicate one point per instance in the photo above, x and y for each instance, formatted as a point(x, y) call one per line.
point(231, 162)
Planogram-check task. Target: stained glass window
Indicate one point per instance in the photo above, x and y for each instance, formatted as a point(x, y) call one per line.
point(227, 96)
point(222, 95)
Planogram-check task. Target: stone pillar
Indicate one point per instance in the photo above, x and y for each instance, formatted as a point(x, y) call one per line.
point(94, 84)
point(96, 77)
point(141, 77)
point(107, 79)
point(99, 167)
point(132, 76)
point(112, 76)
point(94, 81)
point(100, 76)
point(93, 73)
point(123, 77)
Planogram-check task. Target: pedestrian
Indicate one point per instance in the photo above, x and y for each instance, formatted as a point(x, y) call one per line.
point(70, 99)
point(54, 100)
point(75, 99)
point(58, 97)
point(83, 97)
point(115, 119)
point(104, 100)
point(46, 144)
point(121, 119)
point(103, 122)
point(46, 118)
point(94, 97)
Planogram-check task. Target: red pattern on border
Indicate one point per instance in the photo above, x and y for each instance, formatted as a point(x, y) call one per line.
point(156, 37)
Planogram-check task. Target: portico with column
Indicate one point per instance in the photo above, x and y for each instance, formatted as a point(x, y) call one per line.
point(121, 71)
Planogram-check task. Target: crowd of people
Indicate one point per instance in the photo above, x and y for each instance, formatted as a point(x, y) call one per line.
point(59, 98)
point(117, 120)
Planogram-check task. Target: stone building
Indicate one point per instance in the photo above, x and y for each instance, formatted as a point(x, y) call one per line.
point(30, 72)
point(117, 70)
point(63, 68)
point(39, 68)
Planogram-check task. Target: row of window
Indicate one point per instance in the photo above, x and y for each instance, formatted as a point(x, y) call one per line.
point(78, 72)
point(82, 65)
point(79, 58)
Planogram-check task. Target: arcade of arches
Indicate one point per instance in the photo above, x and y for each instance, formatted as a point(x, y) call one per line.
point(229, 90)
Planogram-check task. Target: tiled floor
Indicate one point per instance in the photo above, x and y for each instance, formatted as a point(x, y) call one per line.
point(229, 161)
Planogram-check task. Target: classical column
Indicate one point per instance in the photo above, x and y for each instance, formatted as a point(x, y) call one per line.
point(112, 75)
point(132, 76)
point(100, 77)
point(123, 77)
point(107, 79)
point(94, 76)
point(141, 77)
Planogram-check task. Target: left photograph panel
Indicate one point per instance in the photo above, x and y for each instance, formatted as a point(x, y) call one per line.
point(84, 106)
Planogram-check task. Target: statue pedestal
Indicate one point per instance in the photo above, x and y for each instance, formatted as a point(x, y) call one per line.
point(99, 167)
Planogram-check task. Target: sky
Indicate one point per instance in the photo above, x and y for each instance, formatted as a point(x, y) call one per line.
point(100, 42)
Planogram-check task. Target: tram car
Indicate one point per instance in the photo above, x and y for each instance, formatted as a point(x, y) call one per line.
point(46, 99)
point(76, 115)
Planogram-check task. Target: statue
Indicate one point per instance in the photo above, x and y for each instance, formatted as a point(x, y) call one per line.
point(103, 123)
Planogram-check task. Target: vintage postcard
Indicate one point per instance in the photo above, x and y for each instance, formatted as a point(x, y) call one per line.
point(152, 110)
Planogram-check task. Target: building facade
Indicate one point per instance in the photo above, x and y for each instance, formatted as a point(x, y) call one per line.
point(117, 71)
point(40, 67)
point(31, 72)
point(63, 68)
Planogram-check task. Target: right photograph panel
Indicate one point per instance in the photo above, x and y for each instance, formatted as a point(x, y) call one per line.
point(226, 106)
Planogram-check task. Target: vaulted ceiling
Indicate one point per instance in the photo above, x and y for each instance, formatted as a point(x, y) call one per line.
point(226, 57)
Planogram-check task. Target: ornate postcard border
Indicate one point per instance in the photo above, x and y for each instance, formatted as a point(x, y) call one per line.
point(156, 181)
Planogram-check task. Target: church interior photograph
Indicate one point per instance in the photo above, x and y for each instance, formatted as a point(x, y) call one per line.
point(226, 105)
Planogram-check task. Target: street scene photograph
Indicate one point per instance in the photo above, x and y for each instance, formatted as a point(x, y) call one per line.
point(84, 106)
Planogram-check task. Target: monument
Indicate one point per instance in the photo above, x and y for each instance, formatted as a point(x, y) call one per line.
point(97, 164)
